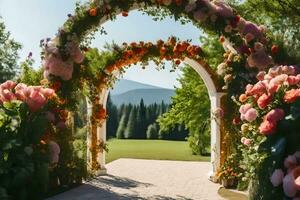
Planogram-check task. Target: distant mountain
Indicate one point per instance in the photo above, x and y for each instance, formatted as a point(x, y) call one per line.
point(149, 96)
point(124, 85)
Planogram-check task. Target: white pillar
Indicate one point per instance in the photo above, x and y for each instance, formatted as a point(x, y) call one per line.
point(101, 134)
point(215, 103)
point(89, 133)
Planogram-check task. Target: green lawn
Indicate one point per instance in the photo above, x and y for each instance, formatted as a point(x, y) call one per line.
point(151, 149)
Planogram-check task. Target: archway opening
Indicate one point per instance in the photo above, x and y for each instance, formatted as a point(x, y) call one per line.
point(178, 51)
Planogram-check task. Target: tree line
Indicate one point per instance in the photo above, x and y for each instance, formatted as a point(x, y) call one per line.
point(130, 121)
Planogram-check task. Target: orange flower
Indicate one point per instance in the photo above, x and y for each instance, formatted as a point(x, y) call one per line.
point(274, 49)
point(56, 86)
point(93, 12)
point(101, 113)
point(163, 50)
point(110, 69)
point(243, 98)
point(125, 14)
point(184, 46)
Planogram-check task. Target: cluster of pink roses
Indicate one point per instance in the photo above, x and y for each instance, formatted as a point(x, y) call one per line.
point(203, 10)
point(34, 96)
point(262, 94)
point(54, 64)
point(291, 180)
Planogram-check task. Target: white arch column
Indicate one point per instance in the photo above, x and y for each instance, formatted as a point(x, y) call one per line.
point(215, 100)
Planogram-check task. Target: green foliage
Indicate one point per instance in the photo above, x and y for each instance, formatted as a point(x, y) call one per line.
point(191, 107)
point(29, 75)
point(152, 131)
point(8, 54)
point(121, 127)
point(23, 159)
point(129, 132)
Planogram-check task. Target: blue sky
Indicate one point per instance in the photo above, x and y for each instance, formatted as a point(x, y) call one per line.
point(29, 21)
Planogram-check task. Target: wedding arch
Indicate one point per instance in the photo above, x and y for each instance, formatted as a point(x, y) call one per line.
point(65, 64)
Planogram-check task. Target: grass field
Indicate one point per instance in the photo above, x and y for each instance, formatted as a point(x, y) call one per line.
point(151, 149)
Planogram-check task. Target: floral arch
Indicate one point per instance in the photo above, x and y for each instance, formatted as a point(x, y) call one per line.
point(177, 51)
point(65, 64)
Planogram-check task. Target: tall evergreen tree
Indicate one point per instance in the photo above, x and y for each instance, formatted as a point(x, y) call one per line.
point(121, 127)
point(112, 121)
point(141, 120)
point(130, 131)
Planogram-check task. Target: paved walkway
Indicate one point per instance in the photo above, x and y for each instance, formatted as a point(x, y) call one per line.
point(132, 179)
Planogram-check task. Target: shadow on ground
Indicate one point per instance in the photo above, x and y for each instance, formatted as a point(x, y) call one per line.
point(101, 188)
point(119, 182)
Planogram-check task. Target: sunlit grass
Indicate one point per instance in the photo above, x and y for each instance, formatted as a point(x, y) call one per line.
point(151, 149)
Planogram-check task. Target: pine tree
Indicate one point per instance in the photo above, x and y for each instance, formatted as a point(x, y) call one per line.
point(141, 121)
point(121, 127)
point(130, 130)
point(152, 131)
point(112, 121)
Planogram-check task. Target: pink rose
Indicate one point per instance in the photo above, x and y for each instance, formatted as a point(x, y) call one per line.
point(246, 141)
point(279, 80)
point(291, 182)
point(251, 28)
point(200, 15)
point(47, 92)
point(264, 100)
point(258, 89)
point(277, 177)
point(35, 100)
point(223, 9)
point(292, 80)
point(245, 108)
point(250, 115)
point(9, 85)
point(267, 127)
point(290, 162)
point(56, 66)
point(291, 95)
point(273, 87)
point(259, 59)
point(275, 115)
point(7, 96)
point(261, 76)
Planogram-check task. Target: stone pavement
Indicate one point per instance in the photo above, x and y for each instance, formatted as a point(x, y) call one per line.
point(134, 179)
